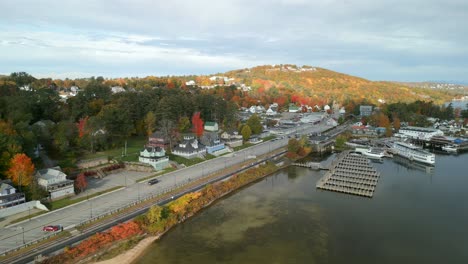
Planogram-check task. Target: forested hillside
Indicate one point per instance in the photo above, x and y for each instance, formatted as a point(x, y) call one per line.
point(313, 85)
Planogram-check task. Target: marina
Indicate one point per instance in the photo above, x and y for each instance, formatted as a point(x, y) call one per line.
point(350, 173)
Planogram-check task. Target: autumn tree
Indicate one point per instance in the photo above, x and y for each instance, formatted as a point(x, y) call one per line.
point(246, 132)
point(81, 125)
point(150, 123)
point(197, 124)
point(21, 170)
point(80, 182)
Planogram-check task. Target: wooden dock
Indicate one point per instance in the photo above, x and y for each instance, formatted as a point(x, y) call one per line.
point(350, 173)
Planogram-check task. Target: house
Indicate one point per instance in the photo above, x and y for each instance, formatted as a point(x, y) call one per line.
point(74, 90)
point(189, 148)
point(8, 195)
point(271, 112)
point(364, 131)
point(274, 107)
point(342, 111)
point(211, 126)
point(117, 89)
point(293, 108)
point(332, 122)
point(326, 108)
point(365, 110)
point(212, 142)
point(232, 139)
point(155, 156)
point(260, 109)
point(54, 181)
point(253, 109)
point(158, 139)
point(191, 82)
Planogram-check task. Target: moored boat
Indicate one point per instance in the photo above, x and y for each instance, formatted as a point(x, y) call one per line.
point(413, 152)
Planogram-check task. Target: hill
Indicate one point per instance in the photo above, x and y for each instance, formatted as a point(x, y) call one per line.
point(317, 85)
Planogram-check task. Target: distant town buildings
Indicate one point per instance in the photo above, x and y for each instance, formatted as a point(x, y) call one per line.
point(365, 110)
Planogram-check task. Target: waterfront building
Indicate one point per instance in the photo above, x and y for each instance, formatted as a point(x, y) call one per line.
point(421, 133)
point(9, 197)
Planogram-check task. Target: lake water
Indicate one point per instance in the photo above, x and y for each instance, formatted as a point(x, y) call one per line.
point(417, 215)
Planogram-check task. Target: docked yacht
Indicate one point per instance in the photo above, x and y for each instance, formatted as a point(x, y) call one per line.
point(413, 152)
point(450, 149)
point(372, 153)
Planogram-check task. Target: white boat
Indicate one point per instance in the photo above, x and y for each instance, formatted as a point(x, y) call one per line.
point(372, 153)
point(450, 149)
point(413, 152)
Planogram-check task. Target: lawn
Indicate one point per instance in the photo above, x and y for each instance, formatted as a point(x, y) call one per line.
point(246, 145)
point(186, 162)
point(134, 146)
point(54, 205)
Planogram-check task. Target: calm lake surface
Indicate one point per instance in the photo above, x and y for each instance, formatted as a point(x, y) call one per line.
point(417, 215)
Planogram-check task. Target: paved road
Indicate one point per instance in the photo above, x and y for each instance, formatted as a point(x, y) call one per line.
point(14, 236)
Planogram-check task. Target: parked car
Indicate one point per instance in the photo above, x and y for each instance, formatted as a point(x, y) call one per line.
point(52, 228)
point(153, 181)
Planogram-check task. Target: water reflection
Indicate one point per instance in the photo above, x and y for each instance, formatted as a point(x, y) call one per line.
point(412, 165)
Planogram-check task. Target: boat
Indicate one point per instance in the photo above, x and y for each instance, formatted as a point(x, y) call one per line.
point(371, 153)
point(450, 148)
point(413, 152)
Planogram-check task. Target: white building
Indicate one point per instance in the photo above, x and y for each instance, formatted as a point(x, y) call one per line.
point(154, 156)
point(55, 182)
point(420, 132)
point(189, 148)
point(9, 197)
point(117, 89)
point(191, 82)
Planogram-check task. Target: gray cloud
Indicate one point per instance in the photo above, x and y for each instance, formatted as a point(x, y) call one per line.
point(400, 40)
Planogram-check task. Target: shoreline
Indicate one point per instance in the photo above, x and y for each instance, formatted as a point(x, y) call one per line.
point(133, 254)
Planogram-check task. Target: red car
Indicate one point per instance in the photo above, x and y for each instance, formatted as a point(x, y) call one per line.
point(52, 228)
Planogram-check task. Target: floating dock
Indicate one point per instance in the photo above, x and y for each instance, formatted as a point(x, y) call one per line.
point(350, 173)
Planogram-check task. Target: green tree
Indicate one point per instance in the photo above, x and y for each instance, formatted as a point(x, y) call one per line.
point(184, 124)
point(150, 123)
point(340, 142)
point(293, 145)
point(246, 132)
point(255, 125)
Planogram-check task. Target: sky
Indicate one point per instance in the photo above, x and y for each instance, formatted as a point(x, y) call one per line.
point(400, 40)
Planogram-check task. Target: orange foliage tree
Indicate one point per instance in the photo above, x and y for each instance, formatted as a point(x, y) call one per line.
point(21, 170)
point(80, 182)
point(197, 123)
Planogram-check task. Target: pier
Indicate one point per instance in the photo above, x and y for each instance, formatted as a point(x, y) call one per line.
point(350, 173)
point(311, 165)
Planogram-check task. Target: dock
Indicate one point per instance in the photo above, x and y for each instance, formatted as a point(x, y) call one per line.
point(350, 173)
point(311, 165)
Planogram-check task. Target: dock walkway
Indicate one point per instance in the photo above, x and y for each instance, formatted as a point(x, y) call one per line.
point(350, 173)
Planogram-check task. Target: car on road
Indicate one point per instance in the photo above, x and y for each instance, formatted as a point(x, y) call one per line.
point(153, 181)
point(52, 228)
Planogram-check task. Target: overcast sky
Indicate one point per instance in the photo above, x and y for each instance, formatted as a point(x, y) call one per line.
point(404, 40)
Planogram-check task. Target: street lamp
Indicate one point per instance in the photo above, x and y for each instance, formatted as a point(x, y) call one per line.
point(22, 228)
